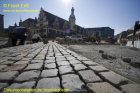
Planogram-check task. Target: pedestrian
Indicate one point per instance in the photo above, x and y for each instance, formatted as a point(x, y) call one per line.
point(36, 38)
point(18, 33)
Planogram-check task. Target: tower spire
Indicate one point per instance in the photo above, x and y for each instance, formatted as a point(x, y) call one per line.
point(72, 19)
point(72, 11)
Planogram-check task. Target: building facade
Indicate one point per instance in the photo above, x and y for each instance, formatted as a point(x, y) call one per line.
point(103, 32)
point(52, 26)
point(136, 37)
point(1, 22)
point(121, 36)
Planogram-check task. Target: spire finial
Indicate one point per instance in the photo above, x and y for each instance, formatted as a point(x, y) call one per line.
point(41, 8)
point(15, 24)
point(20, 18)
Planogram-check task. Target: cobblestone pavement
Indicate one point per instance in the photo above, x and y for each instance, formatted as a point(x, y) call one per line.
point(52, 66)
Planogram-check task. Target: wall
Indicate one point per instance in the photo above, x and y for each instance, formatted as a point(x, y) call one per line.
point(136, 44)
point(1, 23)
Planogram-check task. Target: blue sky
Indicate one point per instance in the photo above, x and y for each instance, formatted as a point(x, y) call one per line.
point(117, 14)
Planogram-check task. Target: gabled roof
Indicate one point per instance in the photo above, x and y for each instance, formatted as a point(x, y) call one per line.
point(51, 19)
point(29, 20)
point(98, 29)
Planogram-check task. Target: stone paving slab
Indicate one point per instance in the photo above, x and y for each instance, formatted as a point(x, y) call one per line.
point(72, 82)
point(28, 75)
point(89, 76)
point(37, 61)
point(65, 69)
point(90, 63)
point(8, 75)
point(131, 88)
point(114, 78)
point(49, 61)
point(79, 67)
point(25, 85)
point(48, 83)
point(7, 62)
point(98, 68)
point(75, 62)
point(49, 73)
point(50, 66)
point(60, 59)
point(2, 66)
point(103, 87)
point(2, 85)
point(63, 63)
point(35, 66)
point(22, 62)
point(15, 67)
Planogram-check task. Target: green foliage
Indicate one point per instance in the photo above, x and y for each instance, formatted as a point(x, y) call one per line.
point(93, 38)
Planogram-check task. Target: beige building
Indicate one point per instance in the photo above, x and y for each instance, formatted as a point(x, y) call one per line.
point(1, 22)
point(135, 37)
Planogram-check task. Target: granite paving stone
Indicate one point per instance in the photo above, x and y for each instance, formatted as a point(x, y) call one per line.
point(49, 73)
point(22, 62)
point(31, 56)
point(102, 87)
point(50, 58)
point(50, 55)
point(114, 78)
point(98, 68)
point(65, 69)
point(26, 59)
point(73, 82)
point(63, 63)
point(35, 66)
point(65, 53)
point(37, 61)
point(82, 58)
point(60, 59)
point(89, 76)
point(2, 66)
point(8, 75)
point(15, 67)
point(14, 58)
point(79, 67)
point(68, 55)
point(39, 58)
point(90, 63)
point(7, 62)
point(2, 60)
point(75, 62)
point(49, 61)
point(131, 88)
point(23, 85)
point(2, 85)
point(28, 75)
point(59, 56)
point(50, 66)
point(48, 83)
point(70, 58)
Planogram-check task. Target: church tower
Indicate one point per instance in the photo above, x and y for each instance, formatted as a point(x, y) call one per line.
point(20, 23)
point(72, 19)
